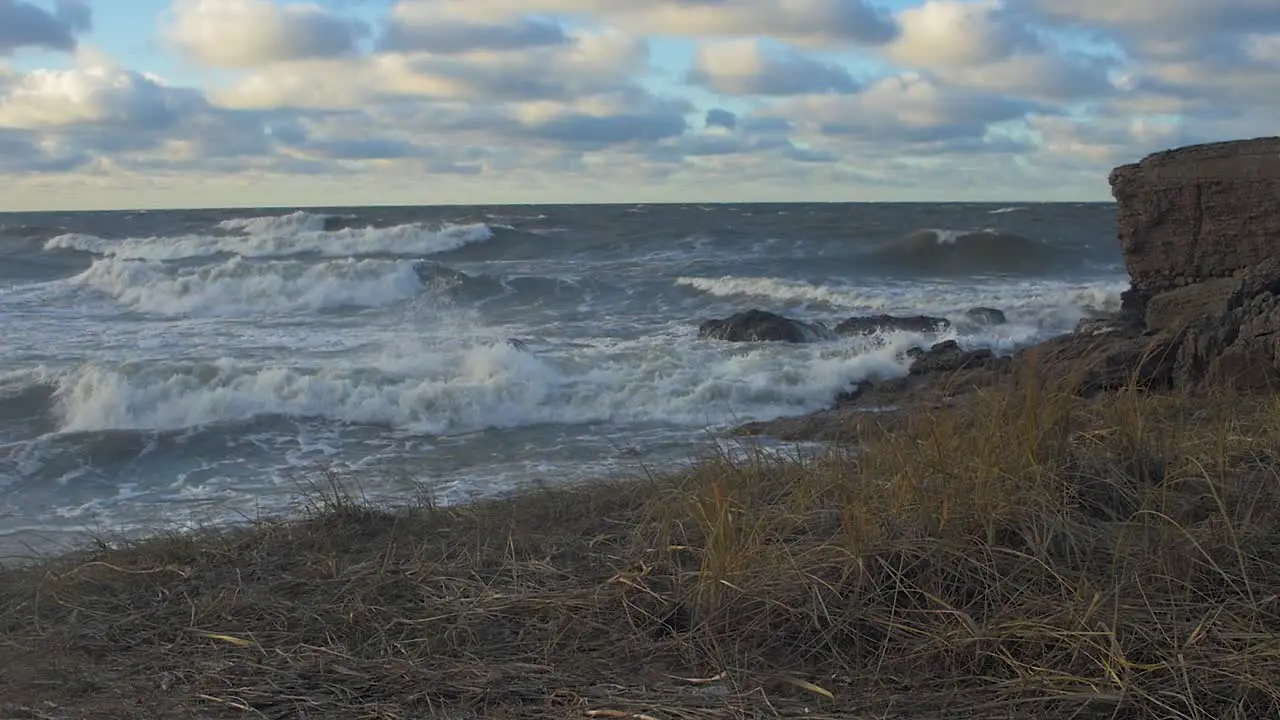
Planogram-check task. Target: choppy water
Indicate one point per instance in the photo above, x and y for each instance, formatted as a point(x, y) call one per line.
point(167, 367)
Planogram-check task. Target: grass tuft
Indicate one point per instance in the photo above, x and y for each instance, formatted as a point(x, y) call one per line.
point(1026, 554)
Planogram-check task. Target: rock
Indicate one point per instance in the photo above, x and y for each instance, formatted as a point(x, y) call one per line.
point(1230, 329)
point(874, 324)
point(1098, 326)
point(760, 326)
point(1196, 213)
point(431, 272)
point(986, 315)
point(1200, 231)
point(949, 357)
point(854, 392)
point(1091, 364)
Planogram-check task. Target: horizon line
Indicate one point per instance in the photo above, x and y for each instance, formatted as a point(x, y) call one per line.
point(176, 208)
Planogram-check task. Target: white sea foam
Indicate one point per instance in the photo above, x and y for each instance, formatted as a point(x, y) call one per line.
point(399, 392)
point(1040, 305)
point(238, 286)
point(429, 387)
point(781, 290)
point(291, 224)
point(407, 240)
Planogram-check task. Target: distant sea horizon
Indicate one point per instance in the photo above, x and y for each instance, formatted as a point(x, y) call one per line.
point(286, 208)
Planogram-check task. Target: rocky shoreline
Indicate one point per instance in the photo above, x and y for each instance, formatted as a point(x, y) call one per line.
point(1199, 227)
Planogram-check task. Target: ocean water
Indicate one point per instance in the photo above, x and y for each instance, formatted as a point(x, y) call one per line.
point(164, 368)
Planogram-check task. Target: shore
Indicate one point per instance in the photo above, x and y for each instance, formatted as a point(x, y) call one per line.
point(1089, 529)
point(1026, 554)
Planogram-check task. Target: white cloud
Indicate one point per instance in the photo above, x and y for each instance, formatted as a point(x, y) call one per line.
point(905, 110)
point(247, 33)
point(951, 32)
point(576, 99)
point(95, 92)
point(1264, 48)
point(742, 67)
point(586, 64)
point(985, 45)
point(804, 21)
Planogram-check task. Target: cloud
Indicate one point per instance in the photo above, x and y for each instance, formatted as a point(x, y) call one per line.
point(94, 93)
point(803, 21)
point(589, 63)
point(1263, 48)
point(436, 27)
point(905, 110)
point(24, 24)
point(577, 99)
point(99, 109)
point(250, 33)
point(809, 22)
point(578, 128)
point(23, 152)
point(719, 117)
point(742, 67)
point(1181, 54)
point(987, 45)
point(1164, 18)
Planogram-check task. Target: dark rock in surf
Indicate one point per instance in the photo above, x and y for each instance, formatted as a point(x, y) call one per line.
point(762, 326)
point(986, 315)
point(442, 277)
point(875, 324)
point(1199, 227)
point(854, 392)
point(434, 272)
point(1102, 326)
point(950, 357)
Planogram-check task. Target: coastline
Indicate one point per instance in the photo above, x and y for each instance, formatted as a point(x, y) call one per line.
point(1086, 530)
point(1028, 554)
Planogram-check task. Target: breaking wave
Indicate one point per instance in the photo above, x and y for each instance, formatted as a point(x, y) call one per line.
point(240, 286)
point(1032, 305)
point(957, 252)
point(292, 224)
point(281, 237)
point(451, 388)
point(786, 292)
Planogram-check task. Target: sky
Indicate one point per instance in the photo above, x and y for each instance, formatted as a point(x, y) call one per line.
point(214, 103)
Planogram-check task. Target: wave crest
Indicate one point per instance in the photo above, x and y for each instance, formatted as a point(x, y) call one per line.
point(960, 252)
point(792, 292)
point(239, 286)
point(294, 223)
point(441, 386)
point(289, 238)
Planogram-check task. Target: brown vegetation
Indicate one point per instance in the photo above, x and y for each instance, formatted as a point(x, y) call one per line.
point(1026, 554)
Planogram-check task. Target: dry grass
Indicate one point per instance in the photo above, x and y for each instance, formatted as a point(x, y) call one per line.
point(1029, 555)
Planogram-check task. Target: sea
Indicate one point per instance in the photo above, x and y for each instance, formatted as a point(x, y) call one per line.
point(161, 370)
